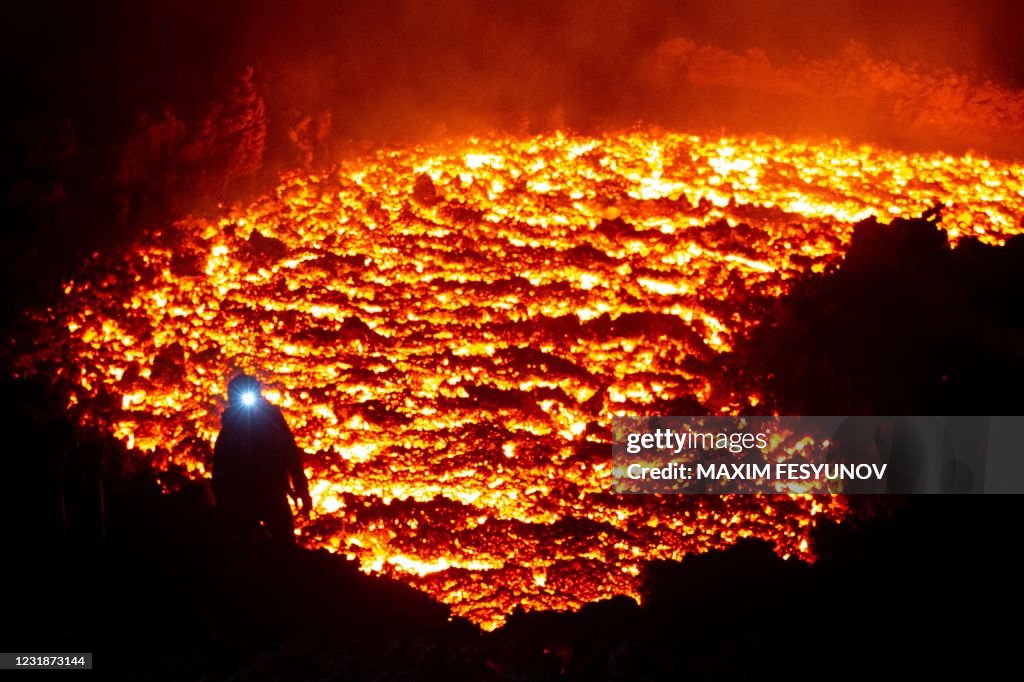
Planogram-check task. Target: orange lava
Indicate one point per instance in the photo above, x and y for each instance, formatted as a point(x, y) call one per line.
point(450, 329)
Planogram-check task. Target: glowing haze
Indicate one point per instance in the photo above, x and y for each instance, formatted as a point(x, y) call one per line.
point(449, 330)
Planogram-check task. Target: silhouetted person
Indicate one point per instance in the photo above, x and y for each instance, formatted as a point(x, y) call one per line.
point(257, 466)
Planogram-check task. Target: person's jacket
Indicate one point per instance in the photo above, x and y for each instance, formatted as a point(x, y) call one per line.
point(256, 461)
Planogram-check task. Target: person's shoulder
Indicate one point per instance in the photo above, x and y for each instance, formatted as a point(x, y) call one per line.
point(272, 410)
point(228, 415)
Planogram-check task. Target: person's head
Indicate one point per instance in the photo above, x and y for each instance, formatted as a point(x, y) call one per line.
point(244, 390)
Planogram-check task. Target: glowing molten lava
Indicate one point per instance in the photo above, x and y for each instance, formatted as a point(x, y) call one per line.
point(449, 330)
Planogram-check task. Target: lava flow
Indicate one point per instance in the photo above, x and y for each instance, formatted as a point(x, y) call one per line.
point(450, 329)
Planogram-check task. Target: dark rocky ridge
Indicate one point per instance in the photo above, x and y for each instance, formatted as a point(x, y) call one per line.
point(906, 325)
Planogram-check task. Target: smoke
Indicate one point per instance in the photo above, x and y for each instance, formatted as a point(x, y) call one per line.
point(917, 75)
point(200, 158)
point(854, 93)
point(399, 70)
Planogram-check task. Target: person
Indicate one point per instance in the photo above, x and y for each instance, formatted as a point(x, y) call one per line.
point(256, 467)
